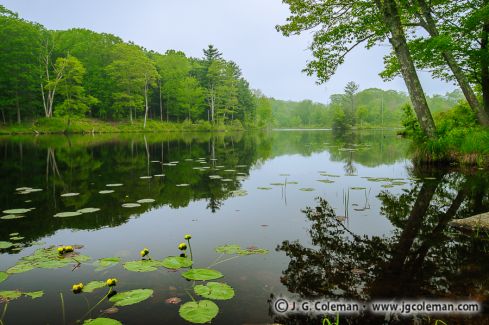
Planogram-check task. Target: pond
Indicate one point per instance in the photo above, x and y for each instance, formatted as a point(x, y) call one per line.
point(315, 215)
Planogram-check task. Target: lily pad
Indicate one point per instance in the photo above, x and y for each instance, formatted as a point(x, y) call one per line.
point(34, 294)
point(293, 183)
point(146, 177)
point(228, 249)
point(239, 193)
point(357, 188)
point(264, 188)
point(114, 185)
point(277, 184)
point(159, 175)
point(3, 276)
point(104, 263)
point(12, 217)
point(69, 194)
point(88, 210)
point(14, 234)
point(106, 191)
point(202, 274)
point(325, 181)
point(131, 205)
point(199, 312)
point(16, 211)
point(182, 185)
point(67, 214)
point(306, 189)
point(5, 244)
point(21, 267)
point(142, 265)
point(146, 201)
point(215, 291)
point(176, 262)
point(10, 295)
point(102, 321)
point(131, 297)
point(17, 238)
point(94, 285)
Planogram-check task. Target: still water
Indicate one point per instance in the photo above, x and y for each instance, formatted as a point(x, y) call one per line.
point(379, 230)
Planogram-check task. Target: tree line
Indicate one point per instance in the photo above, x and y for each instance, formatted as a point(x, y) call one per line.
point(78, 72)
point(449, 38)
point(370, 107)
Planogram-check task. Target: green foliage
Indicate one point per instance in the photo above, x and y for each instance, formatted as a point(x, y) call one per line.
point(215, 291)
point(176, 262)
point(102, 321)
point(199, 312)
point(3, 276)
point(202, 274)
point(131, 297)
point(84, 73)
point(93, 285)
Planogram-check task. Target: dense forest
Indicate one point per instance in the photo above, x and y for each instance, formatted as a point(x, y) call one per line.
point(370, 107)
point(77, 72)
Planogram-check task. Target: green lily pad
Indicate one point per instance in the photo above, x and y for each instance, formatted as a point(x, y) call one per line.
point(159, 175)
point(114, 185)
point(16, 238)
point(131, 205)
point(253, 251)
point(5, 244)
point(307, 189)
point(104, 263)
point(46, 258)
point(3, 276)
point(67, 214)
point(10, 295)
point(228, 249)
point(176, 262)
point(277, 184)
point(325, 181)
point(239, 193)
point(199, 312)
point(20, 267)
point(16, 211)
point(34, 294)
point(146, 177)
point(182, 185)
point(14, 234)
point(127, 298)
point(12, 217)
point(102, 321)
point(69, 194)
point(202, 274)
point(93, 285)
point(106, 191)
point(293, 183)
point(146, 201)
point(356, 188)
point(88, 210)
point(215, 291)
point(284, 174)
point(387, 186)
point(142, 265)
point(264, 188)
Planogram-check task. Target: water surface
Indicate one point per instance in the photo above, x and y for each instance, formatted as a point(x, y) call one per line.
point(386, 234)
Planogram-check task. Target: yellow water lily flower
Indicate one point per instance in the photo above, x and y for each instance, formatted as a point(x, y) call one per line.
point(144, 252)
point(61, 250)
point(188, 236)
point(77, 288)
point(68, 249)
point(182, 246)
point(111, 282)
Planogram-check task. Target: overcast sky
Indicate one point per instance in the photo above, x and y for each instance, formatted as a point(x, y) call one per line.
point(244, 30)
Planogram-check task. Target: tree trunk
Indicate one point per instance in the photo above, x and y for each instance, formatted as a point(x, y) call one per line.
point(464, 84)
point(17, 105)
point(161, 102)
point(146, 104)
point(392, 20)
point(485, 63)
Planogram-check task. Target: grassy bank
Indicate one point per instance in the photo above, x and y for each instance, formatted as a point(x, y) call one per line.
point(60, 125)
point(459, 140)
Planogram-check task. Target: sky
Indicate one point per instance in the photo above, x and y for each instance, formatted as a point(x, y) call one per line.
point(243, 30)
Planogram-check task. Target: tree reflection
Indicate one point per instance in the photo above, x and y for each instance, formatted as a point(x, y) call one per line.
point(421, 258)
